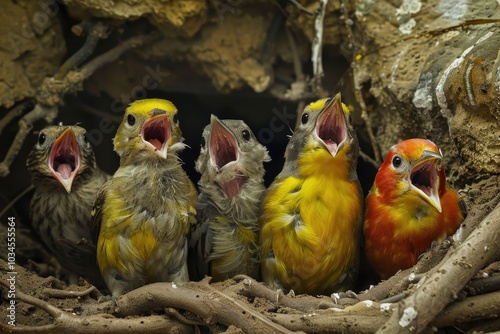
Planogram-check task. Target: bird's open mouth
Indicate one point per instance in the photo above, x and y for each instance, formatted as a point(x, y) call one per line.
point(424, 178)
point(224, 151)
point(64, 159)
point(331, 127)
point(156, 133)
point(223, 146)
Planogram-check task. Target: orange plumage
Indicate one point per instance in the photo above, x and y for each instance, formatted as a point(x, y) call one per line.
point(408, 207)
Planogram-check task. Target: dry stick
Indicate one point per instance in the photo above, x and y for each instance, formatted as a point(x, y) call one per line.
point(300, 79)
point(359, 94)
point(448, 278)
point(207, 305)
point(51, 93)
point(13, 113)
point(317, 48)
point(362, 318)
point(25, 127)
point(94, 31)
point(56, 293)
point(251, 287)
point(484, 284)
point(470, 309)
point(100, 323)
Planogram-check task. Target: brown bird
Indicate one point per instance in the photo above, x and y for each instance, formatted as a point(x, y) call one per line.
point(231, 163)
point(66, 179)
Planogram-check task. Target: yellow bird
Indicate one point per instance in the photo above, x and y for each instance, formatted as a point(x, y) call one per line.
point(143, 214)
point(312, 212)
point(231, 163)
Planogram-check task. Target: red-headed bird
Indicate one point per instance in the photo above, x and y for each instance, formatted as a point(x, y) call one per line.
point(409, 206)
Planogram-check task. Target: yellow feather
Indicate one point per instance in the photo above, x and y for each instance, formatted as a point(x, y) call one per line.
point(143, 107)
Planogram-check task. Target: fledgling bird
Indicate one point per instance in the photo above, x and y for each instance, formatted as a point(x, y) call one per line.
point(312, 212)
point(225, 240)
point(66, 179)
point(142, 215)
point(408, 207)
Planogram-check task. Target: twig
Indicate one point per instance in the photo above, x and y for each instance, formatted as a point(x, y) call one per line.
point(448, 278)
point(358, 92)
point(13, 113)
point(56, 293)
point(251, 287)
point(369, 159)
point(25, 127)
point(173, 312)
point(301, 8)
point(484, 285)
point(52, 91)
point(470, 309)
point(94, 32)
point(298, 88)
point(317, 48)
point(15, 199)
point(366, 317)
point(100, 323)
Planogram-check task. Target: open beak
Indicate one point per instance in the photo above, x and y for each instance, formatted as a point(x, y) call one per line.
point(222, 145)
point(156, 133)
point(224, 151)
point(424, 178)
point(64, 159)
point(331, 127)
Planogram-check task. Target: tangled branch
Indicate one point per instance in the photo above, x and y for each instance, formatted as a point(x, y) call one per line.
point(67, 79)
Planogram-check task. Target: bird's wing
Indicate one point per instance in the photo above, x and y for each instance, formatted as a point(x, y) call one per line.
point(200, 240)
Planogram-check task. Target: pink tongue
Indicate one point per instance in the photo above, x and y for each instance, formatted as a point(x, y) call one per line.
point(64, 170)
point(156, 143)
point(332, 146)
point(233, 187)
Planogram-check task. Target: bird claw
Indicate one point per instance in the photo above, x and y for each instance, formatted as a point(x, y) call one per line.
point(106, 298)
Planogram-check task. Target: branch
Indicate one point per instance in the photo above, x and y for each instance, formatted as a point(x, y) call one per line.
point(100, 323)
point(357, 89)
point(251, 287)
point(444, 283)
point(94, 32)
point(11, 114)
point(52, 91)
point(367, 317)
point(317, 48)
point(213, 306)
point(57, 293)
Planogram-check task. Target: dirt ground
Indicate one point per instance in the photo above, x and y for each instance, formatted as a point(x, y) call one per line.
point(236, 60)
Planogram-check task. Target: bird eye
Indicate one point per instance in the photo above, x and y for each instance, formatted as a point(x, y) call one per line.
point(203, 143)
point(397, 161)
point(174, 118)
point(305, 118)
point(130, 119)
point(41, 138)
point(85, 139)
point(246, 135)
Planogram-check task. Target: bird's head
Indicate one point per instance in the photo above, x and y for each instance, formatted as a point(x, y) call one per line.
point(230, 155)
point(61, 153)
point(150, 128)
point(412, 168)
point(324, 125)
